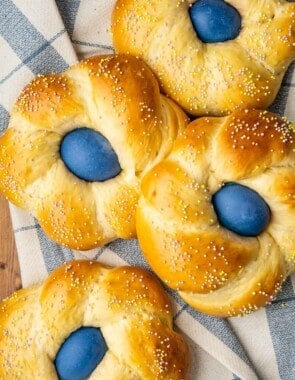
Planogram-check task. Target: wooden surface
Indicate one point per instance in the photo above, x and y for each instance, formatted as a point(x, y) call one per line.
point(9, 267)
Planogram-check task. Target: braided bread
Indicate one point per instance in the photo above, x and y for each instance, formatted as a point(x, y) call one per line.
point(216, 218)
point(211, 56)
point(79, 142)
point(125, 306)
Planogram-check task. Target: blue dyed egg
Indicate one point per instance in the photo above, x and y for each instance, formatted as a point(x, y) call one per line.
point(89, 155)
point(241, 209)
point(80, 354)
point(215, 20)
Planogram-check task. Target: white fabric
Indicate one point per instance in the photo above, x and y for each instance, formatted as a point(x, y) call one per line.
point(63, 32)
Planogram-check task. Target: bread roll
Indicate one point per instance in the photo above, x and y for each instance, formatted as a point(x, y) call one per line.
point(223, 176)
point(126, 306)
point(78, 144)
point(214, 78)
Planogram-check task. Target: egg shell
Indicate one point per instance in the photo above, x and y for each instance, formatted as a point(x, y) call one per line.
point(80, 354)
point(89, 155)
point(215, 20)
point(241, 209)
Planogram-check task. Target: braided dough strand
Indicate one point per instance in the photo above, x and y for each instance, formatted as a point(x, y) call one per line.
point(216, 270)
point(115, 95)
point(127, 304)
point(214, 78)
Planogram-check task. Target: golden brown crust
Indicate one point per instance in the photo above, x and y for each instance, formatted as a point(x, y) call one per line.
point(47, 99)
point(127, 304)
point(116, 95)
point(215, 270)
point(216, 78)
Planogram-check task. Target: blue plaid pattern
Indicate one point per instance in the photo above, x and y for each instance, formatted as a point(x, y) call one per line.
point(34, 54)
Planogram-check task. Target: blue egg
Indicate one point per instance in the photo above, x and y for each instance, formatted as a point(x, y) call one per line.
point(241, 209)
point(215, 20)
point(89, 155)
point(80, 354)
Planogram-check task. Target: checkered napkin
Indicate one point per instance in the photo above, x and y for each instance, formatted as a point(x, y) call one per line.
point(43, 36)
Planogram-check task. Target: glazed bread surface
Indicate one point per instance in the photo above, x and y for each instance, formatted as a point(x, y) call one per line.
point(127, 304)
point(216, 270)
point(210, 78)
point(115, 95)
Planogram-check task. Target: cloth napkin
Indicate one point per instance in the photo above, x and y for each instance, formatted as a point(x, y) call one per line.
point(44, 36)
